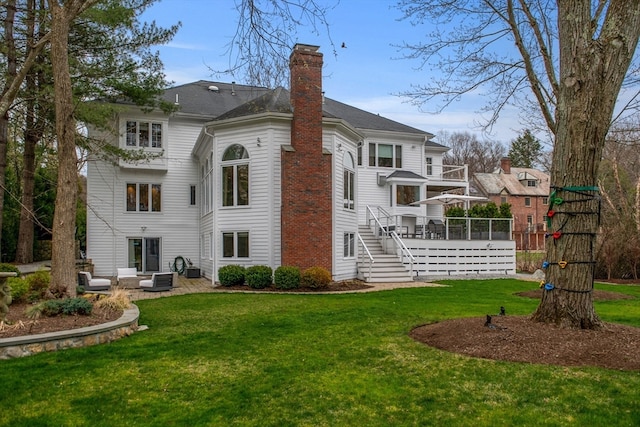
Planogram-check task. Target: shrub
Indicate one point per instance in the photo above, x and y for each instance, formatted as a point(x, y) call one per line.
point(117, 300)
point(259, 276)
point(19, 288)
point(38, 284)
point(68, 306)
point(230, 275)
point(9, 268)
point(287, 277)
point(315, 277)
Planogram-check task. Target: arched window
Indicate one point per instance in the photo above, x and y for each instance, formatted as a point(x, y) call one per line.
point(235, 176)
point(349, 182)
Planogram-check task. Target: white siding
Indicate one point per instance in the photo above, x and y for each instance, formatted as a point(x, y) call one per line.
point(109, 225)
point(344, 220)
point(261, 218)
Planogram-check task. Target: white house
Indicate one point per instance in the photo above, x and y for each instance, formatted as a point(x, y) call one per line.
point(251, 176)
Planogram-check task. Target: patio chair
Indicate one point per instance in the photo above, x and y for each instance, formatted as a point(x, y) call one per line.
point(159, 282)
point(90, 284)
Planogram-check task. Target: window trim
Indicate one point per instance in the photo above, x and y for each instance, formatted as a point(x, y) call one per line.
point(527, 202)
point(396, 189)
point(348, 183)
point(396, 155)
point(155, 134)
point(348, 245)
point(236, 189)
point(235, 235)
point(154, 204)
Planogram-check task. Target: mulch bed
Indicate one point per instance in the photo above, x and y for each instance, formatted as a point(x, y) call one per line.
point(20, 325)
point(519, 339)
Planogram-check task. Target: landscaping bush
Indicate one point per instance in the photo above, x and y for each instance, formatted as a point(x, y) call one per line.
point(117, 300)
point(9, 268)
point(287, 277)
point(315, 278)
point(259, 276)
point(68, 306)
point(19, 289)
point(230, 275)
point(38, 284)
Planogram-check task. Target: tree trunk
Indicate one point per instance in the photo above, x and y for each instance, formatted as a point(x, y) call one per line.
point(32, 134)
point(63, 259)
point(24, 250)
point(591, 74)
point(10, 73)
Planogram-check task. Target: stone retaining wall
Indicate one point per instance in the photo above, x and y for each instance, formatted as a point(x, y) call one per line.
point(126, 325)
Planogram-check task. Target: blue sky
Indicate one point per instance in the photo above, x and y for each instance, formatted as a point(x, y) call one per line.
point(365, 74)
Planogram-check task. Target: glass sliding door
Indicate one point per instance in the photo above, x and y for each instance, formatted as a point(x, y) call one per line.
point(144, 254)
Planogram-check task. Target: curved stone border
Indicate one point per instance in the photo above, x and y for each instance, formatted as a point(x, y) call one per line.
point(27, 345)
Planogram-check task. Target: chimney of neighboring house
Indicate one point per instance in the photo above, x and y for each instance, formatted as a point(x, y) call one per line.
point(307, 186)
point(505, 165)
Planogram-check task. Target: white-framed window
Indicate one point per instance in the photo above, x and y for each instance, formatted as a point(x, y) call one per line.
point(235, 244)
point(503, 200)
point(349, 197)
point(527, 201)
point(532, 183)
point(349, 246)
point(143, 134)
point(235, 176)
point(429, 165)
point(407, 194)
point(545, 200)
point(206, 185)
point(385, 155)
point(143, 197)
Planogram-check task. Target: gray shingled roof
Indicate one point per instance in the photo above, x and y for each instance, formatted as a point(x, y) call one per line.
point(200, 98)
point(233, 100)
point(404, 174)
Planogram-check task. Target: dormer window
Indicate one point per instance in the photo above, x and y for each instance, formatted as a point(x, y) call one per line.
point(532, 183)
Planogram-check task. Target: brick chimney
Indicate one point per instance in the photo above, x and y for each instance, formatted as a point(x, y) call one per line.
point(505, 165)
point(307, 227)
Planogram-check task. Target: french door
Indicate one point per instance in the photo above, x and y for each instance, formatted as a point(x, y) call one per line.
point(144, 254)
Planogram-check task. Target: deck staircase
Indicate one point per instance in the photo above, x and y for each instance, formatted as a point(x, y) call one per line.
point(386, 268)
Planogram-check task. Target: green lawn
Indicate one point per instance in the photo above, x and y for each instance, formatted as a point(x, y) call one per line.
point(314, 360)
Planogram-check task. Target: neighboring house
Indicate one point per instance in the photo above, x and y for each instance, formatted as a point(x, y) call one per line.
point(527, 191)
point(250, 176)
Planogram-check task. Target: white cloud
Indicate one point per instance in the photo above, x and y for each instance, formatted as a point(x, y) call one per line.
point(185, 46)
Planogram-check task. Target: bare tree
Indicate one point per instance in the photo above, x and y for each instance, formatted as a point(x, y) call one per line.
point(619, 182)
point(466, 149)
point(266, 31)
point(571, 60)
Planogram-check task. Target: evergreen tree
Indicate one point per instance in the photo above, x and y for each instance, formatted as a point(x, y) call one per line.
point(525, 151)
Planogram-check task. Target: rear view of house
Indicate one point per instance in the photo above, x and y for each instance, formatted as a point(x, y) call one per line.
point(253, 176)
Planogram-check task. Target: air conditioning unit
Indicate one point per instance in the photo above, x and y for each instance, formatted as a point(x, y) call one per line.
point(382, 179)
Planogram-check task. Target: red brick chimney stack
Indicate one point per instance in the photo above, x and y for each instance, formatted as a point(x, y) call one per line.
point(505, 165)
point(307, 227)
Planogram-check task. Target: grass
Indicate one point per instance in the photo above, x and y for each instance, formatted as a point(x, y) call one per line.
point(314, 360)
